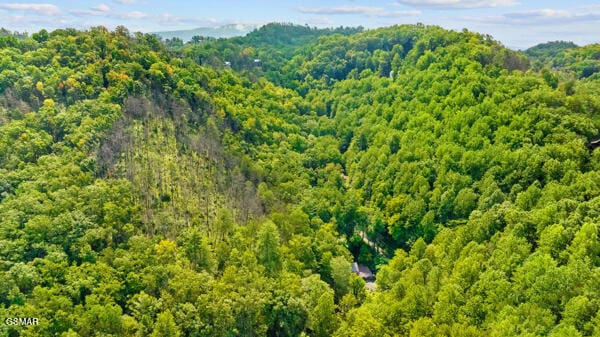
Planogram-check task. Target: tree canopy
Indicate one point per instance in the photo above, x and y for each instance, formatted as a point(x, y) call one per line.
point(147, 189)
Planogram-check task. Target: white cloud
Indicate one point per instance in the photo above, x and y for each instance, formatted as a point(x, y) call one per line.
point(102, 8)
point(394, 14)
point(320, 21)
point(135, 15)
point(38, 8)
point(458, 4)
point(552, 15)
point(340, 10)
point(368, 11)
point(540, 17)
point(29, 20)
point(168, 19)
point(126, 2)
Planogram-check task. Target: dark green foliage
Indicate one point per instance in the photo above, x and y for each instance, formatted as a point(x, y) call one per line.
point(581, 62)
point(550, 49)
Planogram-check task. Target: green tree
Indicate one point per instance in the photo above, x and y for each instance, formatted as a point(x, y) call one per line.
point(165, 326)
point(340, 273)
point(322, 320)
point(268, 248)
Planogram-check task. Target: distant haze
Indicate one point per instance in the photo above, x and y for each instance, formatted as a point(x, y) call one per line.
point(216, 32)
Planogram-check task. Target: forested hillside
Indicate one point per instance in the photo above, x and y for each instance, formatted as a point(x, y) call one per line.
point(225, 187)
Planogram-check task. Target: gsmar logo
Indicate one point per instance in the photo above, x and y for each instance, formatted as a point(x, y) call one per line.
point(21, 321)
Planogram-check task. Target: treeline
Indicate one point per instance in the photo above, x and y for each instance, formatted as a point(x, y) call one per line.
point(272, 45)
point(580, 62)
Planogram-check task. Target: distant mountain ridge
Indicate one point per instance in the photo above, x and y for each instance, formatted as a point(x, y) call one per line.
point(225, 31)
point(550, 48)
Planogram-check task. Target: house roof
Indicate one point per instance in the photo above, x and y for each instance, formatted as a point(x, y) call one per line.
point(362, 271)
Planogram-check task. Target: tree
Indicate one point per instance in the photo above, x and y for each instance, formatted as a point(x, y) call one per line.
point(322, 320)
point(198, 249)
point(340, 273)
point(165, 326)
point(465, 202)
point(268, 248)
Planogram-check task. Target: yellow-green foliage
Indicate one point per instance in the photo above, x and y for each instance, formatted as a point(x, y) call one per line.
point(146, 190)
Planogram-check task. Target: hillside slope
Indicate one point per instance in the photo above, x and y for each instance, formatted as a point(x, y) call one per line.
point(151, 190)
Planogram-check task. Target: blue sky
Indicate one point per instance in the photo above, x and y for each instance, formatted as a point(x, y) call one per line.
point(516, 23)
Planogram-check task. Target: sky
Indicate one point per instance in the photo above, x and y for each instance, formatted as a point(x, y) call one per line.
point(517, 24)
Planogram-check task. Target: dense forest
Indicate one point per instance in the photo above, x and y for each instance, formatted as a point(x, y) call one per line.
point(225, 187)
